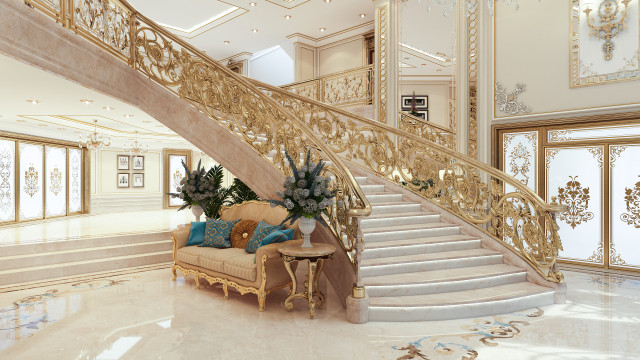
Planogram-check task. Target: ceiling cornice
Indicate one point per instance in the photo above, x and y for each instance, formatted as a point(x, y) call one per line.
point(359, 29)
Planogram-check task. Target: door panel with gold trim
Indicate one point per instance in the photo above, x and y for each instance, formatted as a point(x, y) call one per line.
point(575, 177)
point(520, 157)
point(624, 170)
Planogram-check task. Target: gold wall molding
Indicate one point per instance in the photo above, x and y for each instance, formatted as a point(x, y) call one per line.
point(614, 154)
point(632, 203)
point(382, 18)
point(507, 102)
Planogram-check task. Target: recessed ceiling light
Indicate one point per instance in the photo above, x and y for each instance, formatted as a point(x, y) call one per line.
point(438, 70)
point(406, 58)
point(252, 4)
point(423, 64)
point(34, 101)
point(287, 17)
point(86, 101)
point(362, 15)
point(146, 121)
point(21, 120)
point(254, 30)
point(227, 42)
point(323, 29)
point(128, 116)
point(108, 108)
point(328, 1)
point(43, 125)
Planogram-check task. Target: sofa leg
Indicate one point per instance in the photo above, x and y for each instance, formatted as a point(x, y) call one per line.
point(197, 282)
point(175, 272)
point(262, 295)
point(226, 291)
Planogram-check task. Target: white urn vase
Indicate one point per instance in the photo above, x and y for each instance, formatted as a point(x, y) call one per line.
point(306, 227)
point(197, 212)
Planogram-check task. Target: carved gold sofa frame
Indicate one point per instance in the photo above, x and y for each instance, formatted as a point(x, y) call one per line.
point(270, 271)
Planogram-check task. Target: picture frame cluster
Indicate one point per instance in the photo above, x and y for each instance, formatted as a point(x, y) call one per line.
point(133, 179)
point(422, 105)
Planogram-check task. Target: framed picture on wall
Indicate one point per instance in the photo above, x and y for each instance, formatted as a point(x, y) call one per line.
point(123, 180)
point(422, 102)
point(138, 162)
point(123, 162)
point(423, 114)
point(138, 180)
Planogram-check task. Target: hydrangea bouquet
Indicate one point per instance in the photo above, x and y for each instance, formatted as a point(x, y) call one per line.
point(306, 194)
point(203, 188)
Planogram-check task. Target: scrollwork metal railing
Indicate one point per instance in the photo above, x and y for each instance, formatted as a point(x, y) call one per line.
point(466, 187)
point(350, 87)
point(426, 130)
point(264, 124)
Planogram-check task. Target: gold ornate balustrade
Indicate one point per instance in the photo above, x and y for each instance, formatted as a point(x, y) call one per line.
point(224, 96)
point(426, 130)
point(462, 185)
point(466, 187)
point(351, 87)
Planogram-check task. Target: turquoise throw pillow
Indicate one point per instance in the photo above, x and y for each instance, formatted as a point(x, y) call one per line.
point(217, 233)
point(262, 230)
point(196, 236)
point(277, 236)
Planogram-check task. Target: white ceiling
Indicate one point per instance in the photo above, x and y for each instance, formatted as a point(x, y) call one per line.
point(61, 115)
point(268, 16)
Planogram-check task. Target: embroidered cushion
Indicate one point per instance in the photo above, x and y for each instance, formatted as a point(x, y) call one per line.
point(242, 232)
point(217, 233)
point(277, 236)
point(196, 236)
point(262, 230)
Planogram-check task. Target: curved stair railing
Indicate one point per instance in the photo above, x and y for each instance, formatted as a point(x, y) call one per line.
point(496, 203)
point(426, 130)
point(481, 195)
point(264, 124)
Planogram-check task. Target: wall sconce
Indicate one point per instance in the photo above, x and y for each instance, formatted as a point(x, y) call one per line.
point(612, 23)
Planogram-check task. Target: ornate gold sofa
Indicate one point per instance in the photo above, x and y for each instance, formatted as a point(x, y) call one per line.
point(248, 273)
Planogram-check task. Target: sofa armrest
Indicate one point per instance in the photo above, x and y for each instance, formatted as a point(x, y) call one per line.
point(180, 238)
point(271, 250)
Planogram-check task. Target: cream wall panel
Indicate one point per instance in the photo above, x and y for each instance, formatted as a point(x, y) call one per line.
point(341, 56)
point(532, 47)
point(438, 98)
point(307, 64)
point(94, 174)
point(275, 67)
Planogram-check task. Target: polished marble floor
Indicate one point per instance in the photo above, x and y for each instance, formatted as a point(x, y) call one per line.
point(147, 316)
point(87, 226)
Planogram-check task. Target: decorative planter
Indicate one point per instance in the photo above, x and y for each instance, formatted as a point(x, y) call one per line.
point(197, 211)
point(306, 227)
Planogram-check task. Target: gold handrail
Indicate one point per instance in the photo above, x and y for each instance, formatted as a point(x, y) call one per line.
point(264, 124)
point(348, 87)
point(427, 130)
point(470, 189)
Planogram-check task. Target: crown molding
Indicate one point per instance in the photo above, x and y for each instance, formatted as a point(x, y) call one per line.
point(359, 29)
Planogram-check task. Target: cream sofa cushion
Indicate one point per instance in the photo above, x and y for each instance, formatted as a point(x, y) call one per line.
point(190, 254)
point(232, 261)
point(242, 266)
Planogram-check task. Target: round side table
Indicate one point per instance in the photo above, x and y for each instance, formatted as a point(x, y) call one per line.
point(316, 256)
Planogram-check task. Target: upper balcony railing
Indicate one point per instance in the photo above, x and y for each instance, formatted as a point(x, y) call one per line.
point(426, 130)
point(350, 87)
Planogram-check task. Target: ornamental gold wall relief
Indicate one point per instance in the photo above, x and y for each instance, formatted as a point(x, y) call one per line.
point(577, 198)
point(55, 179)
point(632, 201)
point(520, 163)
point(31, 181)
point(6, 166)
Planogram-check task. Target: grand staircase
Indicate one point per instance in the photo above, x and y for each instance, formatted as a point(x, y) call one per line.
point(412, 263)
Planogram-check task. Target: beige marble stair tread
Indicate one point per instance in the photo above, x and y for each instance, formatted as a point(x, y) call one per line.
point(394, 203)
point(440, 276)
point(419, 241)
point(88, 249)
point(447, 255)
point(400, 215)
point(490, 294)
point(73, 263)
point(393, 229)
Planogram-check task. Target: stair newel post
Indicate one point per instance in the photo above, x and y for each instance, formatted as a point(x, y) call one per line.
point(358, 301)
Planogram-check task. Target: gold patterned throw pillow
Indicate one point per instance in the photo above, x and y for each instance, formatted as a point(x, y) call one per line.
point(242, 232)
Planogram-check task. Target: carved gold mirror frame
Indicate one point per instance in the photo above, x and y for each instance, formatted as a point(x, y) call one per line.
point(584, 63)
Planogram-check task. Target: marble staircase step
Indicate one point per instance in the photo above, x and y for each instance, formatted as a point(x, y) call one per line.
point(372, 189)
point(402, 232)
point(428, 262)
point(394, 208)
point(440, 281)
point(40, 273)
point(65, 256)
point(375, 221)
point(407, 250)
point(493, 300)
point(384, 198)
point(418, 241)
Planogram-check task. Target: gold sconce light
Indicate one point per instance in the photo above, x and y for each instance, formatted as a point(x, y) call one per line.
point(611, 22)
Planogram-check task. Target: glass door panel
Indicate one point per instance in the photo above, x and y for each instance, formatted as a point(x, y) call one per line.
point(176, 173)
point(56, 181)
point(31, 181)
point(520, 158)
point(624, 195)
point(75, 180)
point(575, 176)
point(7, 181)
